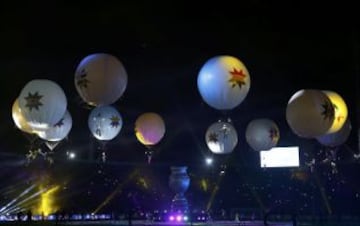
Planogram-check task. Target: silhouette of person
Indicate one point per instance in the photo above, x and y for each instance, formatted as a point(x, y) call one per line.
point(130, 216)
point(293, 218)
point(57, 216)
point(29, 216)
point(19, 215)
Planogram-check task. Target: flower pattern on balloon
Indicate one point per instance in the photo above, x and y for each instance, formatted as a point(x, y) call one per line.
point(328, 110)
point(60, 123)
point(213, 137)
point(115, 121)
point(237, 78)
point(33, 101)
point(274, 134)
point(83, 82)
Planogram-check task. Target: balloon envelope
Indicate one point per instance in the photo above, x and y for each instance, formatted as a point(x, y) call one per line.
point(149, 128)
point(262, 134)
point(100, 79)
point(58, 131)
point(43, 103)
point(309, 113)
point(223, 82)
point(105, 122)
point(19, 119)
point(221, 137)
point(337, 138)
point(341, 111)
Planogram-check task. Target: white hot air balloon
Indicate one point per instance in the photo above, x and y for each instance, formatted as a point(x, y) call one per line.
point(336, 139)
point(58, 131)
point(105, 122)
point(19, 119)
point(310, 113)
point(100, 79)
point(221, 138)
point(43, 103)
point(262, 134)
point(223, 82)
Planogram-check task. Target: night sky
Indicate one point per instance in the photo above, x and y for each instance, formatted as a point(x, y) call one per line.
point(163, 47)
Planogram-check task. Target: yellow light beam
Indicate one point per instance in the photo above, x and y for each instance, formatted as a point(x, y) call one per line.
point(323, 193)
point(204, 184)
point(252, 190)
point(35, 195)
point(257, 198)
point(47, 201)
point(116, 190)
point(212, 197)
point(217, 186)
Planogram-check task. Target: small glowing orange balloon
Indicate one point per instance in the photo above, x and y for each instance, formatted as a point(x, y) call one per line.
point(149, 128)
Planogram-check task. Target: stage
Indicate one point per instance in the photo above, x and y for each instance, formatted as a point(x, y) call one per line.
point(213, 223)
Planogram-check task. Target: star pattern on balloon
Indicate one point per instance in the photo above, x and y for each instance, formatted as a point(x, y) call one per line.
point(115, 121)
point(213, 137)
point(328, 110)
point(274, 134)
point(339, 117)
point(237, 78)
point(60, 123)
point(83, 82)
point(33, 101)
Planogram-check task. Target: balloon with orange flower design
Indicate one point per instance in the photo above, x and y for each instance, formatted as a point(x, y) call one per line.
point(105, 122)
point(223, 82)
point(262, 134)
point(310, 113)
point(221, 137)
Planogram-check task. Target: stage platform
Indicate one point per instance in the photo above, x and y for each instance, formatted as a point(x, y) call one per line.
point(146, 223)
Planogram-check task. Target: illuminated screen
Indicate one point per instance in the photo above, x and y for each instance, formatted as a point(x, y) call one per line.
point(280, 157)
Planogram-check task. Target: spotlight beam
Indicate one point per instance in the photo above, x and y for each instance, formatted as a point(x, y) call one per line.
point(30, 197)
point(116, 191)
point(17, 198)
point(216, 188)
point(252, 190)
point(323, 193)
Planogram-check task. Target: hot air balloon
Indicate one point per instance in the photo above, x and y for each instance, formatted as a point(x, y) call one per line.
point(58, 131)
point(149, 128)
point(221, 137)
point(19, 119)
point(310, 113)
point(341, 111)
point(223, 82)
point(337, 138)
point(100, 79)
point(105, 122)
point(43, 103)
point(262, 134)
